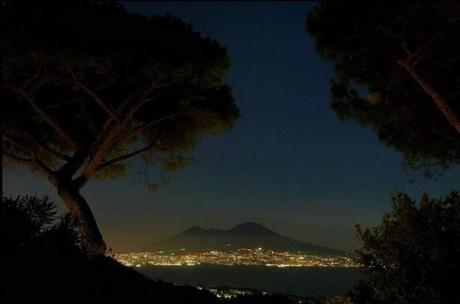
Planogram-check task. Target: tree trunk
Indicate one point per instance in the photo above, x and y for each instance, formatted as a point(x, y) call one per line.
point(91, 237)
point(440, 102)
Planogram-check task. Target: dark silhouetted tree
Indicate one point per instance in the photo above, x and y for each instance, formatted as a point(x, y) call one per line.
point(412, 256)
point(87, 86)
point(406, 56)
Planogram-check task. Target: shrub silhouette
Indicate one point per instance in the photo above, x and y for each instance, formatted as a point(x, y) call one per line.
point(412, 256)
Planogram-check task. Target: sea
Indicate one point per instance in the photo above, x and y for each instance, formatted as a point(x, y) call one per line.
point(299, 281)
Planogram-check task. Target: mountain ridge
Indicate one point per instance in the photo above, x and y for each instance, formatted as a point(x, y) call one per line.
point(244, 235)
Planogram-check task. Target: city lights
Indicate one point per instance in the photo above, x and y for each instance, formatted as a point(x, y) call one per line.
point(247, 257)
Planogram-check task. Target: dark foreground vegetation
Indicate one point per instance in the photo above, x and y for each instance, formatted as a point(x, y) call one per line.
point(412, 256)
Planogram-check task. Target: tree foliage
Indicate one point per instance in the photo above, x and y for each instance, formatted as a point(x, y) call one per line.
point(401, 53)
point(80, 74)
point(412, 256)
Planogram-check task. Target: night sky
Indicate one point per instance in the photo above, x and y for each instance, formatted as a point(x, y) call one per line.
point(288, 164)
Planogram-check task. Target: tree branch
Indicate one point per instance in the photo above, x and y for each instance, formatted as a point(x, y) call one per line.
point(33, 162)
point(97, 153)
point(439, 101)
point(450, 138)
point(126, 156)
point(14, 141)
point(39, 144)
point(143, 99)
point(41, 83)
point(63, 103)
point(51, 122)
point(107, 137)
point(149, 124)
point(18, 158)
point(92, 94)
point(89, 120)
point(59, 155)
point(390, 34)
point(32, 79)
point(74, 164)
point(412, 57)
point(107, 84)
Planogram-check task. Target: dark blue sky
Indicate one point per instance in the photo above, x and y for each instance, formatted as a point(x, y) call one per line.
point(288, 163)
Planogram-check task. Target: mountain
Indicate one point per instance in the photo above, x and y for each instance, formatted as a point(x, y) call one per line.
point(246, 235)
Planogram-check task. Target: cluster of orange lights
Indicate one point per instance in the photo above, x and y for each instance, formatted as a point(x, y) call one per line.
point(248, 257)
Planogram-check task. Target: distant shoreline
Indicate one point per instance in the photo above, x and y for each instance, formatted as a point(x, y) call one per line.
point(299, 281)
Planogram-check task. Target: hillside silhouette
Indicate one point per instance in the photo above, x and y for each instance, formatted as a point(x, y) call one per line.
point(245, 235)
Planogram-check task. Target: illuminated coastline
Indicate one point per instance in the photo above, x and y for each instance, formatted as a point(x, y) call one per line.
point(246, 257)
